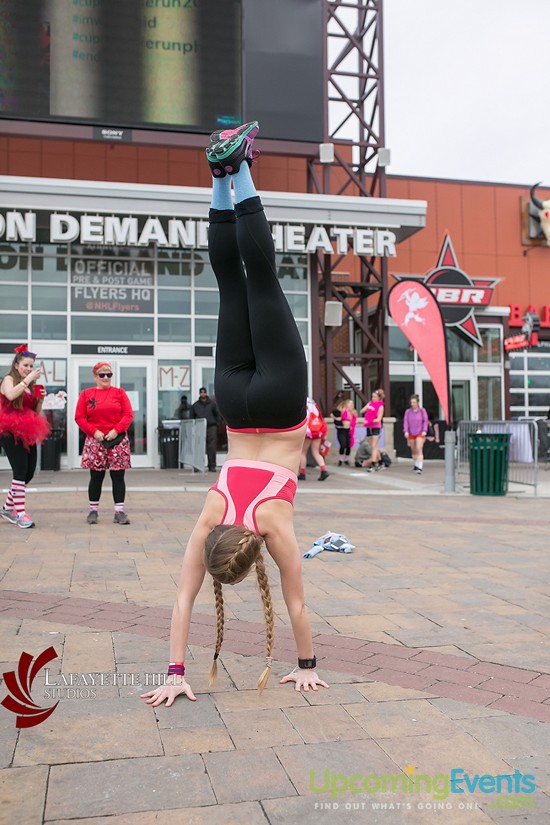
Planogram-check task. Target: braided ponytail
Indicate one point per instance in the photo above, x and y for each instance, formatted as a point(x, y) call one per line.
point(229, 553)
point(265, 593)
point(220, 620)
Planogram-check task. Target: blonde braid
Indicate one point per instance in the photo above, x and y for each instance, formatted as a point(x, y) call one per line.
point(219, 629)
point(265, 593)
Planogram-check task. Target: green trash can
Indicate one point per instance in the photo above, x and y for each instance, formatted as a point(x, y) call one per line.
point(489, 463)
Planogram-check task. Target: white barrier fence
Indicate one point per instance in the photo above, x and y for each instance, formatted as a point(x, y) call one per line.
point(523, 454)
point(192, 444)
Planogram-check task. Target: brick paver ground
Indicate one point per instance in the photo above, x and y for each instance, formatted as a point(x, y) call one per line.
point(433, 635)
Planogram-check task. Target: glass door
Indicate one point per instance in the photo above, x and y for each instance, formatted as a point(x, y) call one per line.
point(203, 376)
point(461, 410)
point(135, 377)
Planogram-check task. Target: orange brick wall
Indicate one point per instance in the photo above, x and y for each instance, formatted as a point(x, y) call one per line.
point(483, 219)
point(485, 227)
point(88, 160)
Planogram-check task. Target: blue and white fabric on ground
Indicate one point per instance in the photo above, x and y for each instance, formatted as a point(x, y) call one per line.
point(336, 542)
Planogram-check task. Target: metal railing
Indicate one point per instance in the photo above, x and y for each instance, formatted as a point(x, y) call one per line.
point(523, 454)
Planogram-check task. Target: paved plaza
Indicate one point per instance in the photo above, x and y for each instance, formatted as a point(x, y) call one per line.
point(433, 635)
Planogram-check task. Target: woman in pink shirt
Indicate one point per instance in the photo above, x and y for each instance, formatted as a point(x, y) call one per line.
point(349, 422)
point(415, 426)
point(374, 413)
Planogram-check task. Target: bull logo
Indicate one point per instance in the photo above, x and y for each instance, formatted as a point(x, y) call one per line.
point(543, 213)
point(457, 294)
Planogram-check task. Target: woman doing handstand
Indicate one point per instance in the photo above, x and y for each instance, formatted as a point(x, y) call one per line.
point(261, 390)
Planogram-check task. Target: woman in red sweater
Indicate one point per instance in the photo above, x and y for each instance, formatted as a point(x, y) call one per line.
point(104, 413)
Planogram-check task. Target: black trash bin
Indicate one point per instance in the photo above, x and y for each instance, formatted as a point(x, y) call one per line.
point(50, 458)
point(489, 463)
point(169, 446)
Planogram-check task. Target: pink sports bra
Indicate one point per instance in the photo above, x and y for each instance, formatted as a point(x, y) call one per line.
point(247, 484)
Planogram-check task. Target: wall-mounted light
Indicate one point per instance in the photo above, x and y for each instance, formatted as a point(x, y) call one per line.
point(326, 152)
point(384, 157)
point(333, 314)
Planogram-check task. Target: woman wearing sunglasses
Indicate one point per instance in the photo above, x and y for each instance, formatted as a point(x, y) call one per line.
point(104, 414)
point(21, 428)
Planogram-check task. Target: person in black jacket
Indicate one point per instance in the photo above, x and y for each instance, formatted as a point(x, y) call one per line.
point(183, 411)
point(205, 407)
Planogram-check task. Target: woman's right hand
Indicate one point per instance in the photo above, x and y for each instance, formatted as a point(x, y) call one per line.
point(167, 693)
point(98, 435)
point(33, 375)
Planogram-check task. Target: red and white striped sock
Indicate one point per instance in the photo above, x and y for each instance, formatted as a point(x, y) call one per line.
point(119, 508)
point(9, 501)
point(94, 506)
point(18, 496)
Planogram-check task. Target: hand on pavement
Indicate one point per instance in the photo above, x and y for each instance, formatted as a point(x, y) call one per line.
point(304, 678)
point(167, 693)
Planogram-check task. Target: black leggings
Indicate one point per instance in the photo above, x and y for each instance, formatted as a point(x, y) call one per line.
point(96, 483)
point(261, 374)
point(22, 461)
point(344, 440)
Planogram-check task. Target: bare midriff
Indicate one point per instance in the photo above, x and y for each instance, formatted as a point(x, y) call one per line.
point(283, 448)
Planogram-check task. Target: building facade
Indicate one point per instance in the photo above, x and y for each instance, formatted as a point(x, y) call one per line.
point(103, 255)
point(91, 271)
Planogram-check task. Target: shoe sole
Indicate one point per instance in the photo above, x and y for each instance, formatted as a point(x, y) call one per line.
point(25, 526)
point(229, 144)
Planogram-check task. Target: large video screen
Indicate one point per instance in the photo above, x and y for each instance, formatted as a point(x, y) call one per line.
point(186, 65)
point(172, 64)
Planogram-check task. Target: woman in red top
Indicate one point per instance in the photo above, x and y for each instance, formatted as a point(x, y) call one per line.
point(104, 413)
point(261, 391)
point(21, 428)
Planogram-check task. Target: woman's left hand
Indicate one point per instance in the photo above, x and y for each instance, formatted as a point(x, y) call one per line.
point(304, 678)
point(110, 435)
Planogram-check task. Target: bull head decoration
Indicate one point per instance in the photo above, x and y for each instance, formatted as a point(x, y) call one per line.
point(543, 209)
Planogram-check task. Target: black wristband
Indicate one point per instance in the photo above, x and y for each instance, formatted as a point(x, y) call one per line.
point(307, 664)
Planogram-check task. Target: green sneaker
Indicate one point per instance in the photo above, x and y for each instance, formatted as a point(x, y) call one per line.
point(230, 147)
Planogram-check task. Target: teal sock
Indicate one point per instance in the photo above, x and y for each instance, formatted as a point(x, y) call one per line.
point(221, 193)
point(243, 183)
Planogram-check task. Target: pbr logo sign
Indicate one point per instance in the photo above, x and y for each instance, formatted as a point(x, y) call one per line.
point(457, 294)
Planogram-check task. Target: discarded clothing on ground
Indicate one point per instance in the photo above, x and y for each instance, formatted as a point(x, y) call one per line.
point(336, 542)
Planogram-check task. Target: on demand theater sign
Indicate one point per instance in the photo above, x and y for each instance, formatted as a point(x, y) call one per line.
point(141, 231)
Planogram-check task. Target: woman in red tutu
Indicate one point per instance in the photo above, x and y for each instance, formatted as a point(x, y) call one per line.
point(21, 429)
